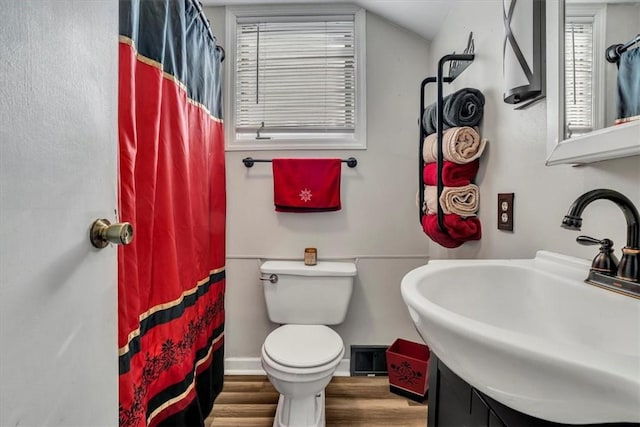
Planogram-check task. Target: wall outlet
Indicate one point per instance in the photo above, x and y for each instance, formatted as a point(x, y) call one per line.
point(505, 211)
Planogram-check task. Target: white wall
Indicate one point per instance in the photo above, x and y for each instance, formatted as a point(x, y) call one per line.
point(379, 217)
point(515, 159)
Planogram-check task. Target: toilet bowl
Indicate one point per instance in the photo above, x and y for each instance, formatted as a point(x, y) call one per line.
point(301, 356)
point(300, 361)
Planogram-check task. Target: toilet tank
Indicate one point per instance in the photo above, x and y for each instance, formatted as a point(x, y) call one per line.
point(308, 295)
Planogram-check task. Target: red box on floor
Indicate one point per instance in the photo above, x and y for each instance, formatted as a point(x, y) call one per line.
point(408, 367)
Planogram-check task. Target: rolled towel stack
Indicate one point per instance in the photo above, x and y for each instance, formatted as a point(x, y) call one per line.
point(462, 147)
point(453, 174)
point(462, 108)
point(459, 230)
point(459, 145)
point(462, 201)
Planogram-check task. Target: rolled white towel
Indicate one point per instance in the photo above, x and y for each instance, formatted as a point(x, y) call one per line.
point(463, 201)
point(459, 145)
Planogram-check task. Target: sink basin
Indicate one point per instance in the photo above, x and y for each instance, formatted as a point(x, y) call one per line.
point(532, 335)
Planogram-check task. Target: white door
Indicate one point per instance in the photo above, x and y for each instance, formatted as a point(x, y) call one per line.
point(58, 151)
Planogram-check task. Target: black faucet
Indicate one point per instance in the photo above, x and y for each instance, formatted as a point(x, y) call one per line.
point(627, 274)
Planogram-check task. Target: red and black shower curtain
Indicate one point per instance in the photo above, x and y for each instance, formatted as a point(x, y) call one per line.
point(172, 189)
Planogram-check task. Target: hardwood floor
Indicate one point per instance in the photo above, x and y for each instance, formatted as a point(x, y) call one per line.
point(250, 401)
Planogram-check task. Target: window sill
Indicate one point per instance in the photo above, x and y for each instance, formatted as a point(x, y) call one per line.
point(275, 144)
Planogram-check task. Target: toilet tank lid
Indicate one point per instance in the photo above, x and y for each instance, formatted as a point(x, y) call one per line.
point(298, 268)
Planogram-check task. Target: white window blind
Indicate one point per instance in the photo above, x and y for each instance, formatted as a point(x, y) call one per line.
point(296, 76)
point(579, 83)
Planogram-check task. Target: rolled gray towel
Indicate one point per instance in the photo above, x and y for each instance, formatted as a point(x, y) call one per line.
point(462, 108)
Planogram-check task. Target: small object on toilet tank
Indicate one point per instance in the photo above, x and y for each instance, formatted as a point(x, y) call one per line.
point(310, 256)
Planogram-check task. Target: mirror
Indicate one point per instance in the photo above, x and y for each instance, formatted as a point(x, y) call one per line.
point(590, 80)
point(582, 85)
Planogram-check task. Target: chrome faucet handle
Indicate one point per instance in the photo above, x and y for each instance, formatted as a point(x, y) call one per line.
point(605, 262)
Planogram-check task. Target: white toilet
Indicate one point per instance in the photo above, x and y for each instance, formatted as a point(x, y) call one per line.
point(301, 356)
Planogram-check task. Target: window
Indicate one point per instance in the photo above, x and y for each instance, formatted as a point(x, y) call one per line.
point(583, 95)
point(296, 78)
point(579, 77)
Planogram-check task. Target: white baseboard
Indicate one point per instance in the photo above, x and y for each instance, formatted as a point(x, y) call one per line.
point(243, 366)
point(252, 366)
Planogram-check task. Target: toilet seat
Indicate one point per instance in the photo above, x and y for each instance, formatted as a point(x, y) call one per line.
point(303, 346)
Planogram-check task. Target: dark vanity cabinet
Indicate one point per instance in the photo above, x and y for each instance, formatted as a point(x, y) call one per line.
point(455, 403)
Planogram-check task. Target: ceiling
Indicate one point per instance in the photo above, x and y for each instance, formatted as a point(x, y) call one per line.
point(424, 17)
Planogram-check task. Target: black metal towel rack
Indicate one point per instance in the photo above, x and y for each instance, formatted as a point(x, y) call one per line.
point(352, 162)
point(459, 63)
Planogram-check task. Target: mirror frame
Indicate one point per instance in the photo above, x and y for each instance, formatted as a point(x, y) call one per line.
point(603, 144)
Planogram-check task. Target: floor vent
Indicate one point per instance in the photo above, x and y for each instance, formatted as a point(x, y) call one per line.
point(368, 360)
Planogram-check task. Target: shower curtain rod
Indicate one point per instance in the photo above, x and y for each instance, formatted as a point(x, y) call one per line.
point(613, 52)
point(207, 25)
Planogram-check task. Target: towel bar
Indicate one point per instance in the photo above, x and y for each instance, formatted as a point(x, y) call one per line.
point(352, 162)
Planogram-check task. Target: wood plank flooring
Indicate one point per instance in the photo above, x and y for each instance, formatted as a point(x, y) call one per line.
point(251, 401)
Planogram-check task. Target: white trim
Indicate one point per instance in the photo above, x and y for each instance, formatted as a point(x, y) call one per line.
point(599, 31)
point(604, 144)
point(555, 79)
point(252, 366)
point(243, 366)
point(358, 141)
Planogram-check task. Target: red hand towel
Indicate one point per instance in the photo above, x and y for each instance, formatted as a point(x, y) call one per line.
point(458, 230)
point(306, 185)
point(453, 174)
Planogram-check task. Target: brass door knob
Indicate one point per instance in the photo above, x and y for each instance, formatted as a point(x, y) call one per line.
point(103, 232)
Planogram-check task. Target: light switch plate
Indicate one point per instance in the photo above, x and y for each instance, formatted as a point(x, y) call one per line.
point(505, 211)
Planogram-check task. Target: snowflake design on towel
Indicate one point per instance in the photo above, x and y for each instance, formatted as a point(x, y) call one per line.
point(305, 195)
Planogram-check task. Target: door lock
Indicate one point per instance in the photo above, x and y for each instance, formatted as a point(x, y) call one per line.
point(103, 232)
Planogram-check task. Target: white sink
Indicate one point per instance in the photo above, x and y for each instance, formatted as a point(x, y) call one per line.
point(532, 335)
